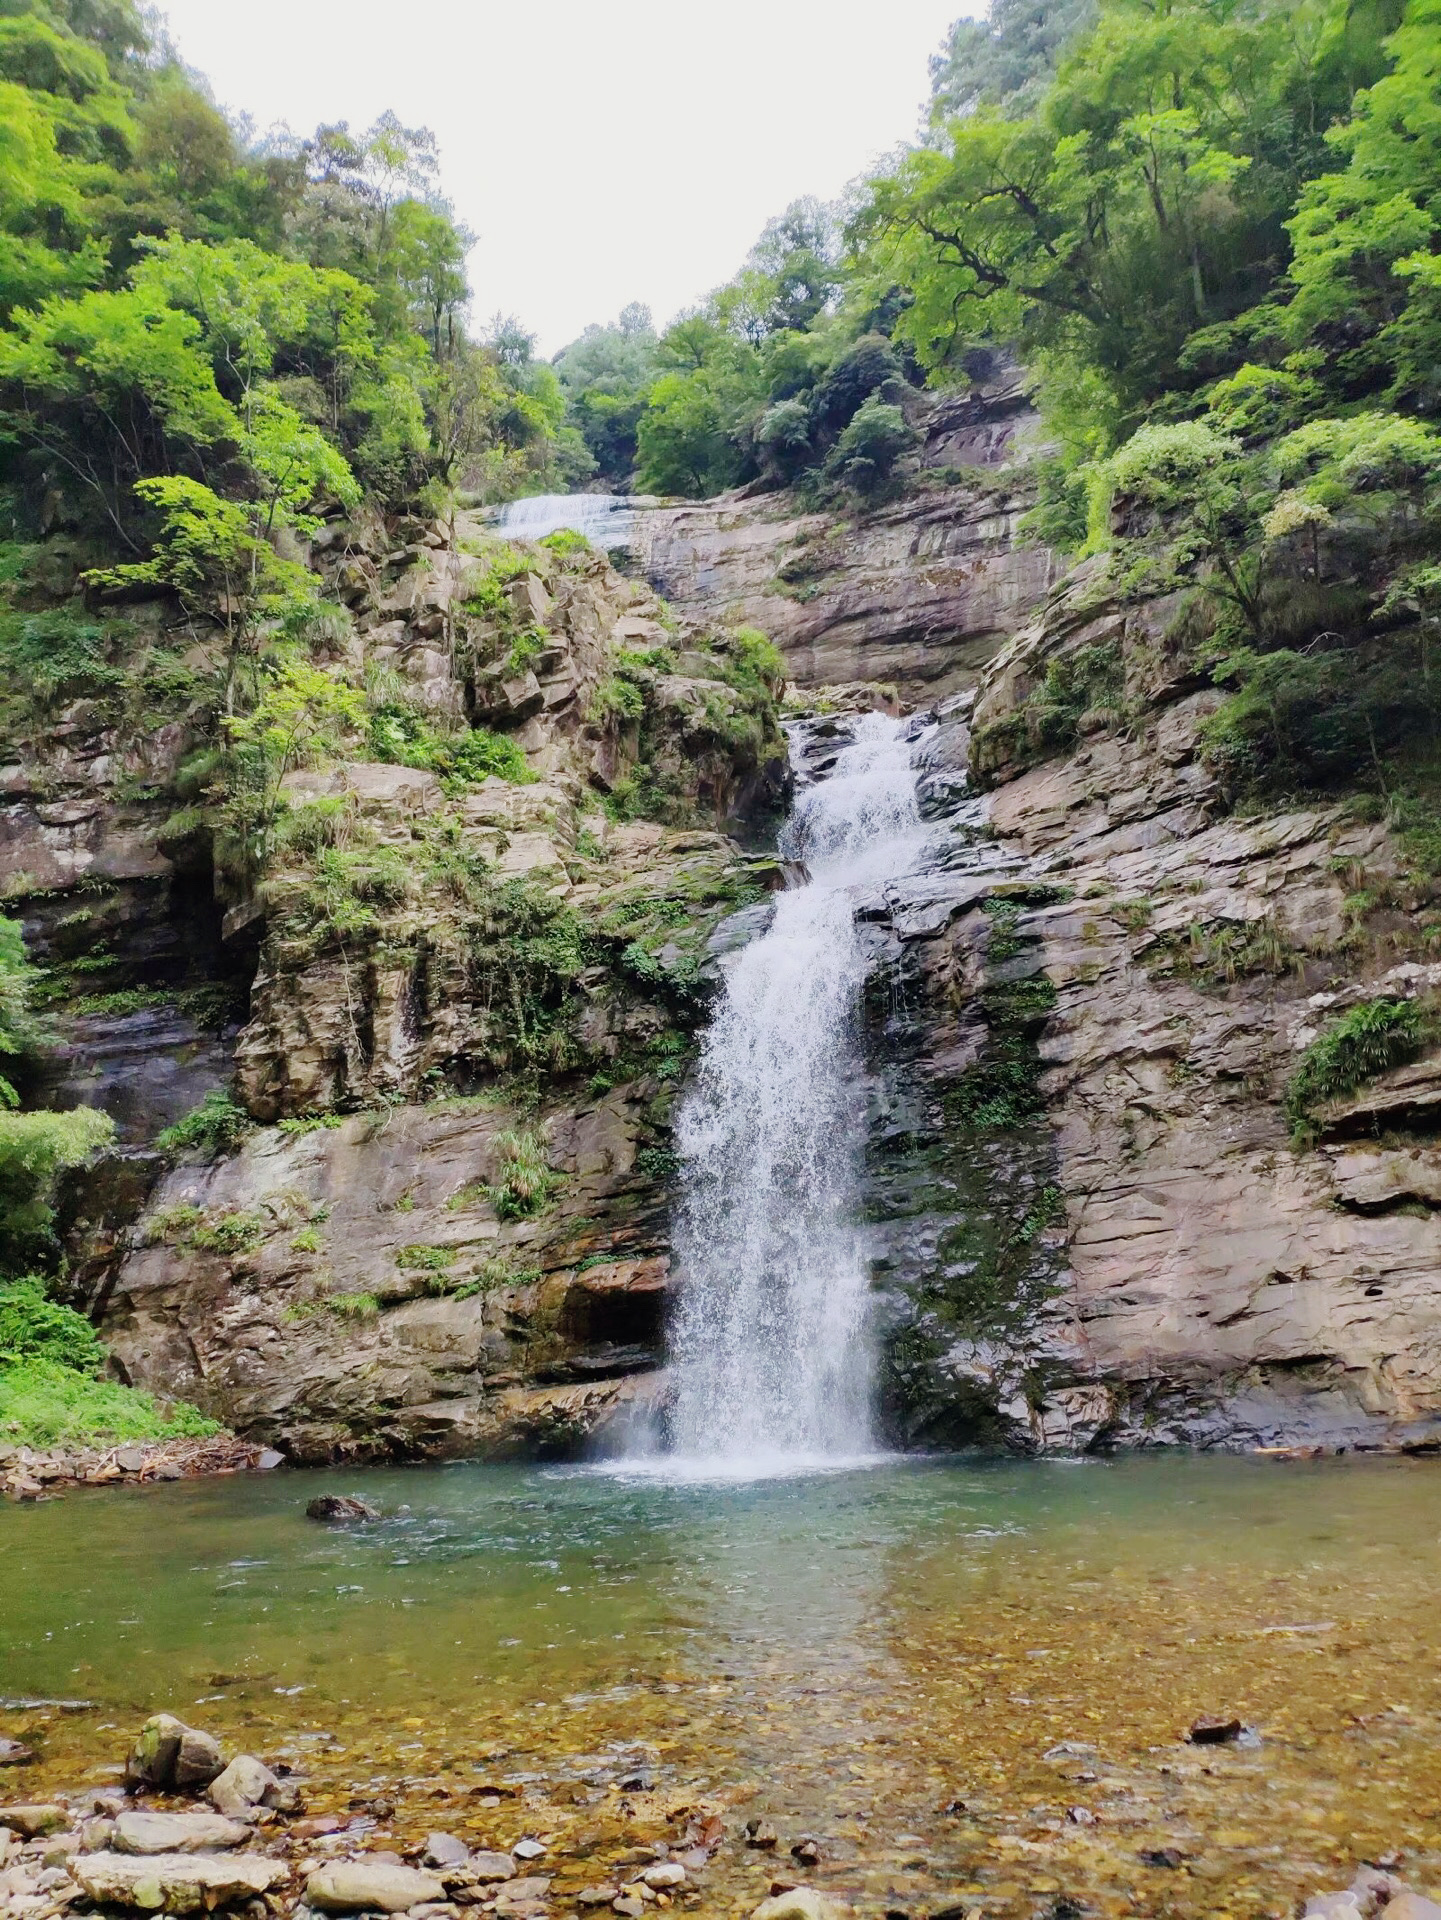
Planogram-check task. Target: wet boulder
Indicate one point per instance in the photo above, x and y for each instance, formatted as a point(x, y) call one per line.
point(247, 1784)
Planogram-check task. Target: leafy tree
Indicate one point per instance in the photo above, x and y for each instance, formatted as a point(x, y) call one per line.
point(107, 388)
point(20, 1030)
point(1005, 59)
point(1367, 262)
point(874, 439)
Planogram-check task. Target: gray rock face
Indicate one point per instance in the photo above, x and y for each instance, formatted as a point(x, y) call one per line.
point(370, 1886)
point(175, 1882)
point(919, 594)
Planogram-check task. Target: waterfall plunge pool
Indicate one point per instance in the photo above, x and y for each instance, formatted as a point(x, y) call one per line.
point(927, 1666)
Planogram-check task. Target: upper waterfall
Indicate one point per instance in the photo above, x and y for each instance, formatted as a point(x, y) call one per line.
point(772, 1351)
point(604, 518)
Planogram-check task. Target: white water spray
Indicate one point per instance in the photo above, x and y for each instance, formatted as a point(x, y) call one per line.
point(771, 1349)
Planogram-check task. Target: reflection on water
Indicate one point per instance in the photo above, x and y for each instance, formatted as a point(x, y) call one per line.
point(849, 1654)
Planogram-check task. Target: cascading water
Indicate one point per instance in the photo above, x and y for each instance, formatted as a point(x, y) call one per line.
point(604, 518)
point(771, 1349)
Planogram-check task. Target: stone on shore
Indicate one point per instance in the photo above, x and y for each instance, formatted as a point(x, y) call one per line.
point(34, 1818)
point(370, 1886)
point(175, 1882)
point(144, 1832)
point(247, 1783)
point(168, 1754)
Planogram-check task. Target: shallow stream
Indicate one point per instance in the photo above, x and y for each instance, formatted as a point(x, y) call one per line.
point(926, 1666)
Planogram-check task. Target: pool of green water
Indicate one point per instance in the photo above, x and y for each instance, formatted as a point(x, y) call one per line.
point(969, 1682)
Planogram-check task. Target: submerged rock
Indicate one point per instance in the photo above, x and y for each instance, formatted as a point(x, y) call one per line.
point(340, 1506)
point(15, 1753)
point(488, 1868)
point(1207, 1732)
point(800, 1903)
point(445, 1850)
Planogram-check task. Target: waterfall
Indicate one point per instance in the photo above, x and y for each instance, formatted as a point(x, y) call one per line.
point(771, 1347)
point(604, 518)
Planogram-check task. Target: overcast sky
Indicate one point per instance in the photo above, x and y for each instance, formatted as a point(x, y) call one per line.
point(602, 152)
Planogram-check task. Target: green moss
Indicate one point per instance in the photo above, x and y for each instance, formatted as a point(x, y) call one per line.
point(229, 1233)
point(566, 542)
point(302, 1123)
point(616, 698)
point(353, 1306)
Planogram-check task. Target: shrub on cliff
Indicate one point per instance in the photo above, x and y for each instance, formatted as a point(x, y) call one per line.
point(1364, 1042)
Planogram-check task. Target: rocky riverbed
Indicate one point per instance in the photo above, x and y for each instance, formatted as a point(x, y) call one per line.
point(189, 1829)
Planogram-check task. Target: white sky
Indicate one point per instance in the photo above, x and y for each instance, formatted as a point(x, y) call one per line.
point(630, 150)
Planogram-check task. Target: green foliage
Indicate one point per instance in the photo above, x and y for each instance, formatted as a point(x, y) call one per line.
point(866, 453)
point(45, 1405)
point(1367, 1040)
point(423, 1259)
point(298, 1125)
point(20, 1030)
point(229, 1233)
point(217, 1126)
point(353, 1306)
point(1114, 191)
point(1006, 59)
point(35, 1327)
point(616, 698)
point(35, 1149)
point(399, 734)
